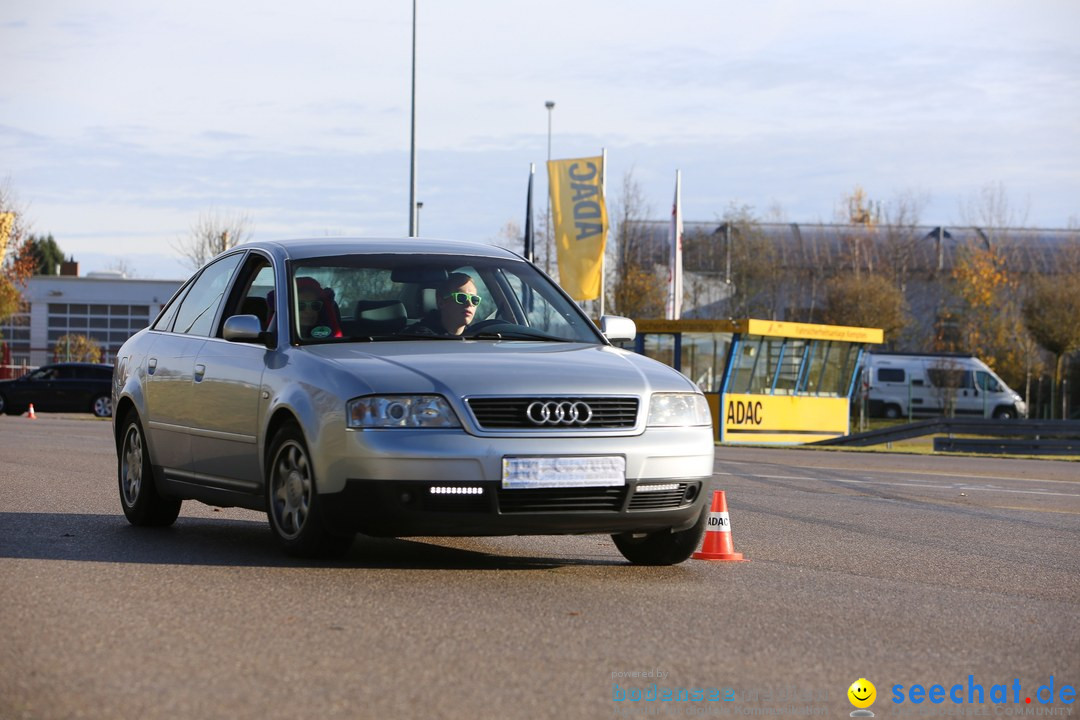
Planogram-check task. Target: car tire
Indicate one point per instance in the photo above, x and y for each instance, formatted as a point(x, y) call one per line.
point(102, 406)
point(663, 547)
point(9, 409)
point(143, 505)
point(293, 505)
point(1005, 413)
point(891, 412)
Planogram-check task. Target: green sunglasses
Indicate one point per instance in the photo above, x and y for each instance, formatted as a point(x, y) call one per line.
point(465, 298)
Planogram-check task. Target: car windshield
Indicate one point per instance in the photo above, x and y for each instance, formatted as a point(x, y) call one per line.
point(425, 297)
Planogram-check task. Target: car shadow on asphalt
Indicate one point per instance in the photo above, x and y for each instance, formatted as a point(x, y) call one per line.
point(237, 543)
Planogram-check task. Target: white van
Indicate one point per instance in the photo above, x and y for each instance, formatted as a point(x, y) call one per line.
point(899, 385)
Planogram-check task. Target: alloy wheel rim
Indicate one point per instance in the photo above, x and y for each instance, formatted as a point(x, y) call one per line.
point(291, 489)
point(131, 473)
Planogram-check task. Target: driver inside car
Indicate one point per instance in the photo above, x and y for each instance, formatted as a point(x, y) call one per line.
point(455, 308)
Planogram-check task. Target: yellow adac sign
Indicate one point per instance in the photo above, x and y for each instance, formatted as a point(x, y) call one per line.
point(579, 218)
point(782, 418)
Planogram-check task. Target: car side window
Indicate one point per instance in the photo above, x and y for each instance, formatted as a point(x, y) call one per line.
point(253, 291)
point(196, 313)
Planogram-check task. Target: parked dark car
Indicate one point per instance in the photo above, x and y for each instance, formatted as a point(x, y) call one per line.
point(61, 387)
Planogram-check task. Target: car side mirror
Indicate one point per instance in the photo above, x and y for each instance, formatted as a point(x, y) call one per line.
point(246, 329)
point(617, 329)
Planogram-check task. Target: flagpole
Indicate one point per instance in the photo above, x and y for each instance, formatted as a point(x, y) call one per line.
point(603, 192)
point(530, 239)
point(674, 303)
point(412, 135)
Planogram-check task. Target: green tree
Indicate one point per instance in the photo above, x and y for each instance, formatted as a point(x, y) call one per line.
point(76, 348)
point(46, 254)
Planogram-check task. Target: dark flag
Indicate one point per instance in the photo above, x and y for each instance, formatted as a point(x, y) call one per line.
point(530, 240)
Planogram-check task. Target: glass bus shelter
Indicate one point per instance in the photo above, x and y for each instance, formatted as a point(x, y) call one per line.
point(766, 381)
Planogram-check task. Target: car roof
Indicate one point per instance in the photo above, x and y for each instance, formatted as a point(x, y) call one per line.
point(302, 248)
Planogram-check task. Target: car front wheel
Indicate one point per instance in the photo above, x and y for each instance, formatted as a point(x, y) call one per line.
point(663, 547)
point(102, 406)
point(293, 505)
point(142, 504)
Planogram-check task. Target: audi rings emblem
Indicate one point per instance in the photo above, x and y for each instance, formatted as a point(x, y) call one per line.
point(555, 412)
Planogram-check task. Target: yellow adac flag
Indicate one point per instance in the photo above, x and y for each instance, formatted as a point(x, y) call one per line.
point(579, 218)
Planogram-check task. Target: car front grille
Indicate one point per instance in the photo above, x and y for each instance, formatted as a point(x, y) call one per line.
point(591, 499)
point(512, 413)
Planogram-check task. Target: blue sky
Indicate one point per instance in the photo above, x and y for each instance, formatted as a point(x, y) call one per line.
point(121, 121)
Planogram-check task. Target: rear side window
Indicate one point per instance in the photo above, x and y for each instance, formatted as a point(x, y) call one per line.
point(891, 375)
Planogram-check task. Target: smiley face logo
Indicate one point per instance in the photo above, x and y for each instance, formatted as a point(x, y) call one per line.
point(862, 693)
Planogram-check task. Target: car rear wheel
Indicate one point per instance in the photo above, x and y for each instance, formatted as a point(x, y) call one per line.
point(892, 412)
point(142, 504)
point(102, 406)
point(293, 505)
point(663, 547)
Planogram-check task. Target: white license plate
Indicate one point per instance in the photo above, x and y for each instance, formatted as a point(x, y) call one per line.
point(558, 472)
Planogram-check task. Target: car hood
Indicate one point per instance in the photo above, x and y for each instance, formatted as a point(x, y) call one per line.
point(471, 368)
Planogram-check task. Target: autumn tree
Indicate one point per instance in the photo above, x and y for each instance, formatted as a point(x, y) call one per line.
point(76, 348)
point(862, 215)
point(16, 262)
point(212, 234)
point(988, 314)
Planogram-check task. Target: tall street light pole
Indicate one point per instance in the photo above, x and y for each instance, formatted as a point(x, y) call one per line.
point(550, 105)
point(412, 136)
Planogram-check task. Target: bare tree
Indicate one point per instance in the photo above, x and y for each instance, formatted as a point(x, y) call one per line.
point(991, 210)
point(759, 277)
point(510, 237)
point(634, 286)
point(212, 234)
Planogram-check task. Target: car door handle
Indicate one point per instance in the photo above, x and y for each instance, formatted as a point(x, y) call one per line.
point(200, 371)
point(151, 366)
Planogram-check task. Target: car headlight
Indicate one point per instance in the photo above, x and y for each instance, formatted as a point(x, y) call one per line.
point(678, 410)
point(401, 411)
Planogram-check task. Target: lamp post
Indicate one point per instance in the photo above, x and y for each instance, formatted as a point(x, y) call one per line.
point(550, 105)
point(413, 212)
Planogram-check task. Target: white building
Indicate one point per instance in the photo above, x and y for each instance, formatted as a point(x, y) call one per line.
point(105, 306)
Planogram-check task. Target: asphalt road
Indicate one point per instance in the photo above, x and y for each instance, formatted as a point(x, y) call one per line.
point(899, 569)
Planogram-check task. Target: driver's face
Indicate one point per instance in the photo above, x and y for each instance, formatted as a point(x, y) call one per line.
point(456, 316)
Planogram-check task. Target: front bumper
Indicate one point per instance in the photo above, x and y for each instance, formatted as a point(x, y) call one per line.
point(411, 508)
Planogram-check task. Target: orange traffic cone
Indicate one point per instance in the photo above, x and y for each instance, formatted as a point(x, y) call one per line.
point(718, 545)
point(30, 413)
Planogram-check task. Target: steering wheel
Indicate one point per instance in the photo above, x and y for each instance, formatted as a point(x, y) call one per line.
point(483, 324)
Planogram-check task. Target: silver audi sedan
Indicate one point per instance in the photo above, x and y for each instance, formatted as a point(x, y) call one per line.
point(406, 388)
